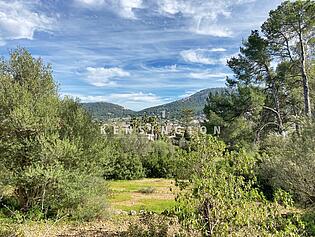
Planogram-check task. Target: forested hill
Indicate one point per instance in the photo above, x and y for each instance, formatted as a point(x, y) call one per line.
point(105, 110)
point(196, 102)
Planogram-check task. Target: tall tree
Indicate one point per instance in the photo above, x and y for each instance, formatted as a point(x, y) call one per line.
point(290, 29)
point(252, 67)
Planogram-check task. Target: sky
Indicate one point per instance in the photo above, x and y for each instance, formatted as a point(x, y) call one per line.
point(136, 53)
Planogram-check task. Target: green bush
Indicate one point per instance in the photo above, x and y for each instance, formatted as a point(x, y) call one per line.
point(153, 225)
point(309, 220)
point(222, 198)
point(126, 167)
point(160, 161)
point(49, 148)
point(134, 157)
point(289, 164)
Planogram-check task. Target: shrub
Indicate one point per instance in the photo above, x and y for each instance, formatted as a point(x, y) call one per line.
point(309, 221)
point(126, 167)
point(48, 146)
point(134, 157)
point(222, 199)
point(289, 164)
point(153, 225)
point(147, 190)
point(160, 161)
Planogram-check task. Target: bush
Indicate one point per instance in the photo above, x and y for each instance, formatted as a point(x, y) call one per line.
point(126, 167)
point(160, 161)
point(153, 225)
point(309, 221)
point(147, 190)
point(222, 198)
point(289, 164)
point(48, 146)
point(134, 157)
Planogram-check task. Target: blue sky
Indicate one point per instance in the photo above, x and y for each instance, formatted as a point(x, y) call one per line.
point(137, 53)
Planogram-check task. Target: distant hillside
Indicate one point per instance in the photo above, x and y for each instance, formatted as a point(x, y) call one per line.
point(105, 110)
point(196, 102)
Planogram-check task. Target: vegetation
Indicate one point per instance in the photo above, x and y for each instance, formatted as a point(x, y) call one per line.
point(49, 154)
point(173, 110)
point(263, 98)
point(104, 110)
point(150, 195)
point(255, 179)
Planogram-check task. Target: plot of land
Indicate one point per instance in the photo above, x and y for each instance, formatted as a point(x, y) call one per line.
point(154, 195)
point(147, 194)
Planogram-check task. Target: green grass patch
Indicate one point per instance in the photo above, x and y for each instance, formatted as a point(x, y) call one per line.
point(157, 206)
point(135, 185)
point(119, 197)
point(147, 194)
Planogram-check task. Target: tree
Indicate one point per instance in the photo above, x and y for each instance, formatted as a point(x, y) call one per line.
point(288, 35)
point(290, 29)
point(238, 112)
point(48, 146)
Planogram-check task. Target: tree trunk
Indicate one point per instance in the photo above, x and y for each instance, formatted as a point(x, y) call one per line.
point(276, 100)
point(306, 90)
point(277, 105)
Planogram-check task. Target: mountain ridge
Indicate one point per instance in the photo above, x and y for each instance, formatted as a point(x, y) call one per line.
point(195, 102)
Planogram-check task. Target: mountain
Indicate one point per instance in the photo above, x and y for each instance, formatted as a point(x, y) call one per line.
point(195, 102)
point(105, 110)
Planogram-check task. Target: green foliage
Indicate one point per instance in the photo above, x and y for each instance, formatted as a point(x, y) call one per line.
point(290, 164)
point(47, 145)
point(152, 225)
point(104, 110)
point(222, 199)
point(309, 219)
point(237, 113)
point(134, 157)
point(126, 166)
point(160, 162)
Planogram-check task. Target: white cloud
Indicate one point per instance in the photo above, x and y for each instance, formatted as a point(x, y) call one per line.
point(218, 50)
point(173, 68)
point(207, 75)
point(204, 27)
point(17, 21)
point(103, 76)
point(91, 2)
point(203, 14)
point(124, 8)
point(203, 56)
point(205, 17)
point(207, 56)
point(196, 56)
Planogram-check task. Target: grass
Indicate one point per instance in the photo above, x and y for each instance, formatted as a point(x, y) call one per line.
point(129, 195)
point(154, 195)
